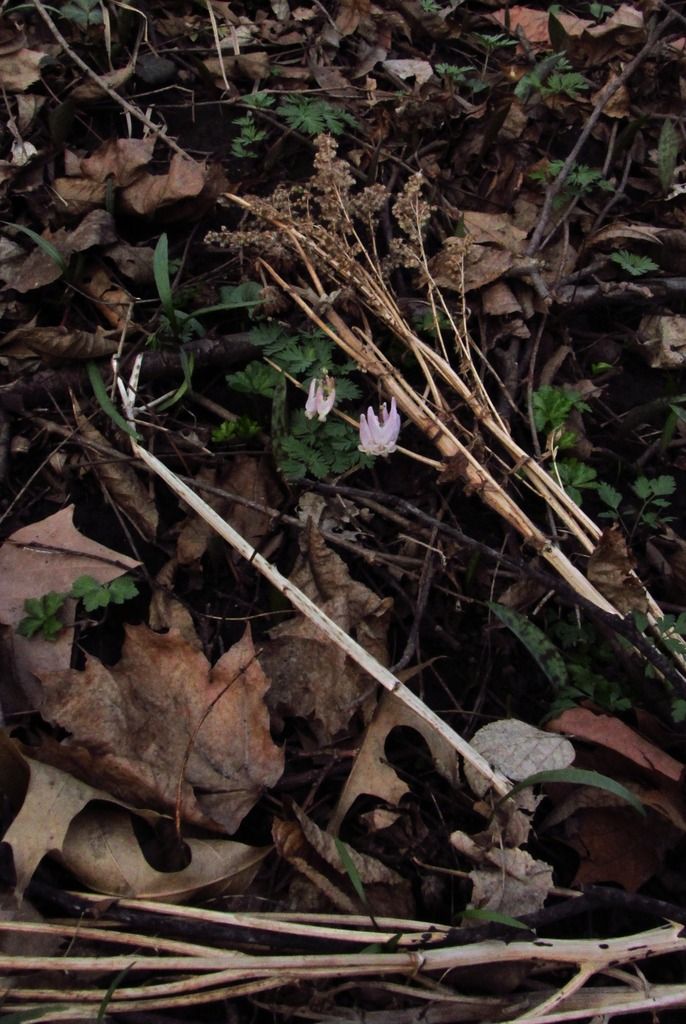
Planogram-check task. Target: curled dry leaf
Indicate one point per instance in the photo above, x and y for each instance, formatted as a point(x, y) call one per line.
point(314, 854)
point(311, 677)
point(611, 570)
point(30, 341)
point(517, 750)
point(184, 179)
point(371, 773)
point(350, 13)
point(162, 725)
point(507, 880)
point(120, 161)
point(47, 555)
point(102, 850)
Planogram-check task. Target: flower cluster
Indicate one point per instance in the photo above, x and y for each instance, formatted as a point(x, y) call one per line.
point(378, 434)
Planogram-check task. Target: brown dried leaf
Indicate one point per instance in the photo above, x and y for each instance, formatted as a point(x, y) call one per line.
point(371, 773)
point(611, 570)
point(614, 845)
point(121, 483)
point(80, 195)
point(150, 192)
point(20, 69)
point(38, 269)
point(133, 261)
point(515, 884)
point(111, 301)
point(615, 735)
point(119, 160)
point(160, 723)
point(102, 850)
point(57, 342)
point(48, 555)
point(311, 677)
point(350, 13)
point(90, 91)
point(314, 854)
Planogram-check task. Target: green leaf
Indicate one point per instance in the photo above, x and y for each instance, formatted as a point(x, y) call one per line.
point(663, 484)
point(41, 616)
point(580, 777)
point(105, 403)
point(160, 269)
point(314, 116)
point(47, 247)
point(632, 263)
point(667, 154)
point(546, 654)
point(609, 496)
point(493, 917)
point(642, 488)
point(350, 869)
point(122, 589)
point(257, 379)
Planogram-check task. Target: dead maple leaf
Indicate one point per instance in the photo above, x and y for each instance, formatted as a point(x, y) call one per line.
point(371, 773)
point(610, 569)
point(311, 677)
point(43, 557)
point(57, 814)
point(162, 725)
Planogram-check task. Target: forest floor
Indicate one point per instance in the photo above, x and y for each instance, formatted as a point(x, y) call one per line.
point(343, 511)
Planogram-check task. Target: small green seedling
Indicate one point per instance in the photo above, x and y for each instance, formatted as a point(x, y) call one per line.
point(95, 595)
point(83, 13)
point(241, 429)
point(632, 263)
point(553, 76)
point(600, 11)
point(653, 495)
point(42, 612)
point(41, 616)
point(551, 408)
point(313, 116)
point(243, 146)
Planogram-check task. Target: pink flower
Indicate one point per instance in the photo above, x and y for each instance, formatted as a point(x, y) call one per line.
point(320, 398)
point(378, 434)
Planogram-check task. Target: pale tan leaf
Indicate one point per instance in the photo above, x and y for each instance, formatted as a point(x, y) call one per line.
point(516, 883)
point(102, 850)
point(80, 195)
point(20, 69)
point(662, 341)
point(371, 773)
point(420, 70)
point(517, 750)
point(161, 724)
point(39, 268)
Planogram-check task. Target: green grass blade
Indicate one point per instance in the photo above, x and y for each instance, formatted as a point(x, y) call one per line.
point(492, 917)
point(106, 999)
point(545, 653)
point(47, 247)
point(160, 269)
point(105, 403)
point(350, 869)
point(581, 777)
